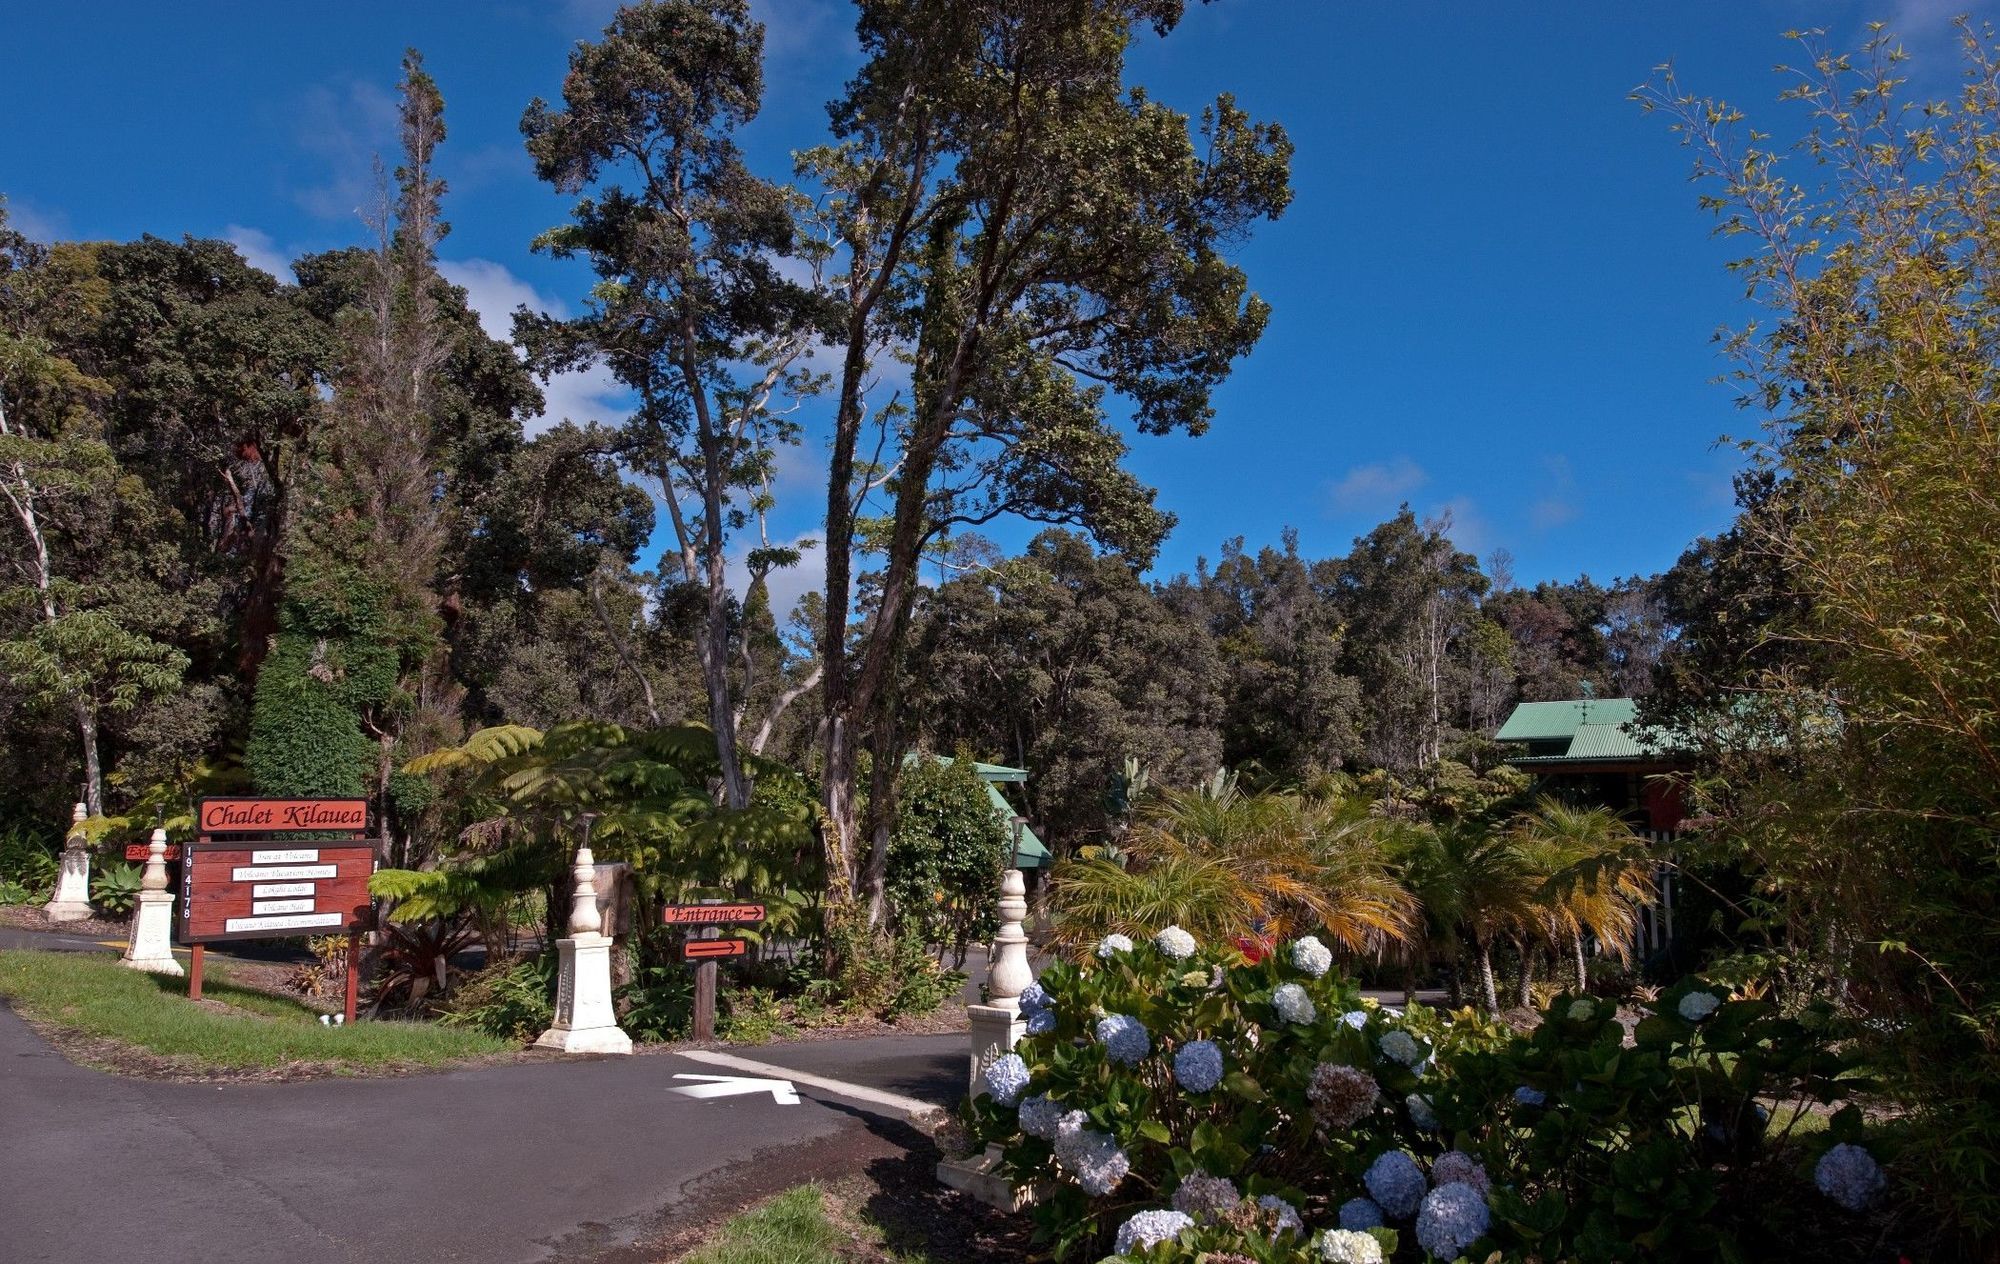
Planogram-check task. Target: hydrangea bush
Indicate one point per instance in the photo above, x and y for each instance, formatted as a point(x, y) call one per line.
point(1182, 1102)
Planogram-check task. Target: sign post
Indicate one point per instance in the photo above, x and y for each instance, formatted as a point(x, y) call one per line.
point(255, 883)
point(706, 946)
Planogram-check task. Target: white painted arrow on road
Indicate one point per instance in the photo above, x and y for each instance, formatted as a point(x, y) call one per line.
point(781, 1091)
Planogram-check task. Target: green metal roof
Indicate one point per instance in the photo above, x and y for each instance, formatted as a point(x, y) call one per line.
point(1546, 721)
point(1029, 852)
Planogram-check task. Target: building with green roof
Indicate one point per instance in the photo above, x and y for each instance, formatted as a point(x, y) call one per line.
point(1596, 752)
point(1030, 854)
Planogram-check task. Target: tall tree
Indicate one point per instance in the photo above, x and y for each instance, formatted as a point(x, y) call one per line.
point(693, 311)
point(1029, 236)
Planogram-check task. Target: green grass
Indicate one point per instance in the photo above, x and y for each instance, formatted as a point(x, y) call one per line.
point(792, 1228)
point(91, 994)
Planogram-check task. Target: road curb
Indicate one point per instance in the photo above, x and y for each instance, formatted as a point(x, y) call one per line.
point(895, 1105)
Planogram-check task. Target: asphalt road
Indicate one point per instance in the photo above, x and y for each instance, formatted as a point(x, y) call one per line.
point(545, 1161)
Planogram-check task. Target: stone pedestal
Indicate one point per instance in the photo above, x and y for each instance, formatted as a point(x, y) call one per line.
point(151, 947)
point(71, 901)
point(585, 1021)
point(996, 1027)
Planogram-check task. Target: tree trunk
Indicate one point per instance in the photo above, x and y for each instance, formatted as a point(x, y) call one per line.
point(1524, 995)
point(1582, 967)
point(93, 772)
point(1488, 993)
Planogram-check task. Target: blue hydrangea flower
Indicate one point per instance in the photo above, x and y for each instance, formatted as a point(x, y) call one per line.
point(1452, 1218)
point(1287, 1215)
point(1696, 1006)
point(1150, 1227)
point(1034, 997)
point(1125, 1038)
point(1396, 1184)
point(1201, 1195)
point(1175, 943)
point(1040, 1116)
point(1849, 1175)
point(1349, 1246)
point(1361, 1213)
point(1112, 943)
point(1198, 1066)
point(1530, 1096)
point(1421, 1112)
point(1311, 957)
point(1293, 1005)
point(1355, 1018)
point(1401, 1046)
point(1006, 1077)
point(1041, 1022)
point(1094, 1158)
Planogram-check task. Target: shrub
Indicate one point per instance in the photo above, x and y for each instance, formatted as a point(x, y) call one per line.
point(754, 1018)
point(1330, 1113)
point(114, 889)
point(28, 860)
point(658, 1004)
point(514, 1000)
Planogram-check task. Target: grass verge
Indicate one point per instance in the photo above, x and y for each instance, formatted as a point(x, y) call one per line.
point(792, 1228)
point(91, 995)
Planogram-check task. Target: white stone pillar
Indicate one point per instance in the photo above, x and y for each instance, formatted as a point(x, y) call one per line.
point(585, 1021)
point(71, 901)
point(152, 944)
point(996, 1027)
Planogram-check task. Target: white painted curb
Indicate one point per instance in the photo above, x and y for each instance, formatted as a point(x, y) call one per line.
point(893, 1103)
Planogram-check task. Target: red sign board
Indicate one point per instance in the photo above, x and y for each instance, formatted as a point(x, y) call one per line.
point(250, 890)
point(704, 949)
point(144, 851)
point(712, 914)
point(282, 816)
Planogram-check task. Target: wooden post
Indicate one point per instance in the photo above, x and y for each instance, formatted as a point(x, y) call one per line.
point(195, 956)
point(704, 988)
point(353, 975)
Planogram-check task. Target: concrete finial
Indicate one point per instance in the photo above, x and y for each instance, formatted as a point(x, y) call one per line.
point(1011, 974)
point(583, 915)
point(155, 878)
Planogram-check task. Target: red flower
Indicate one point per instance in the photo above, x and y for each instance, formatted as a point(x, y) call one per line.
point(1254, 947)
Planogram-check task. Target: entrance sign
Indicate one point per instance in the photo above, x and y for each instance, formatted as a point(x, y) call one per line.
point(281, 816)
point(704, 949)
point(712, 914)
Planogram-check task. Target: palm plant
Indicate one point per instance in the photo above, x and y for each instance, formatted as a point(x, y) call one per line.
point(1476, 887)
point(1219, 863)
point(1596, 875)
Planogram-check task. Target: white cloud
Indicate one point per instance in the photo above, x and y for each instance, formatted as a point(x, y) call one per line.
point(348, 126)
point(259, 251)
point(1464, 524)
point(36, 223)
point(493, 292)
point(1378, 486)
point(1551, 512)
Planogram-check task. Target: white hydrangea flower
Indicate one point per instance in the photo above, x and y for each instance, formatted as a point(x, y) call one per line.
point(1421, 1113)
point(1293, 1005)
point(1200, 1194)
point(1092, 1157)
point(1175, 943)
point(1006, 1077)
point(1452, 1218)
point(1396, 1184)
point(1198, 1066)
point(1850, 1176)
point(1040, 1116)
point(1582, 1010)
point(1361, 1213)
point(1150, 1227)
point(1125, 1038)
point(1696, 1006)
point(1355, 1018)
point(1311, 957)
point(1288, 1215)
point(1112, 943)
point(1349, 1246)
point(1401, 1046)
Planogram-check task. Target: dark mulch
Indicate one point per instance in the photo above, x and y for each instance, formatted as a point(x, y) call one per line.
point(31, 917)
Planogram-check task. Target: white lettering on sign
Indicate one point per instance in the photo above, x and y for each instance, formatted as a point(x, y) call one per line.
point(270, 890)
point(299, 921)
point(261, 907)
point(293, 856)
point(244, 873)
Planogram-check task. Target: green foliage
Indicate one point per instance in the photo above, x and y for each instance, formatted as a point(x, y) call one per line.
point(753, 1017)
point(114, 889)
point(1656, 1150)
point(946, 855)
point(509, 1000)
point(658, 1003)
point(29, 860)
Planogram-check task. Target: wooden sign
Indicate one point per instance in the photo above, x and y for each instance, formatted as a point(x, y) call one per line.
point(712, 914)
point(707, 949)
point(281, 816)
point(248, 890)
point(144, 851)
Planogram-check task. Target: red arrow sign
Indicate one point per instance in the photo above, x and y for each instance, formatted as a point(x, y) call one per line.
point(699, 949)
point(711, 914)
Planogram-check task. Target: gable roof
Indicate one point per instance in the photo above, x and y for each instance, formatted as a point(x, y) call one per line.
point(1594, 730)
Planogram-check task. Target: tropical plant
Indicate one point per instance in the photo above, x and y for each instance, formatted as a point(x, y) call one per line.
point(1476, 887)
point(1223, 863)
point(28, 859)
point(114, 889)
point(514, 1000)
point(1596, 876)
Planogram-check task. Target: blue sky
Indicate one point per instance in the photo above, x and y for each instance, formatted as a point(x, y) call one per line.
point(1493, 293)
